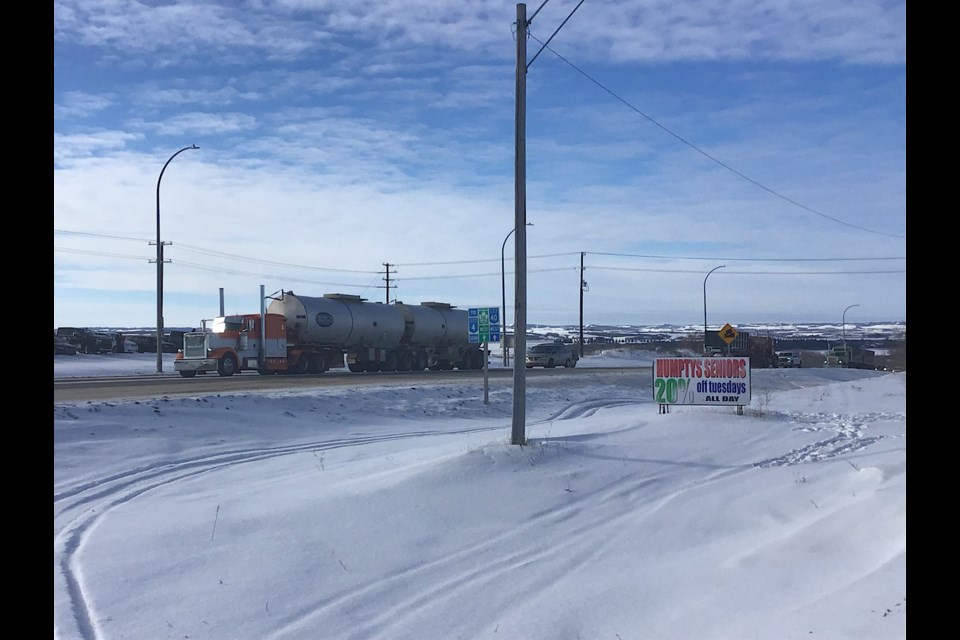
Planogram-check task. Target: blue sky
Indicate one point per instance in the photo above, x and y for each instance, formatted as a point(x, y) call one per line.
point(663, 139)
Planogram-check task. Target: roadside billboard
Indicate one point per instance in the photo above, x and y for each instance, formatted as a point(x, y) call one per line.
point(702, 381)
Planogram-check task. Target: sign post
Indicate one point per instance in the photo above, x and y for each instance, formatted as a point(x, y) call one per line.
point(728, 334)
point(483, 326)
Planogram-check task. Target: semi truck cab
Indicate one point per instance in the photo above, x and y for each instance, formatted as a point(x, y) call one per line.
point(233, 344)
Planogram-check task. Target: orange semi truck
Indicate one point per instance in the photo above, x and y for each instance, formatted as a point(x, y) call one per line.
point(300, 334)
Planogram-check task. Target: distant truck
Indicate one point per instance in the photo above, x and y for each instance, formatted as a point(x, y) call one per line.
point(851, 358)
point(788, 360)
point(760, 349)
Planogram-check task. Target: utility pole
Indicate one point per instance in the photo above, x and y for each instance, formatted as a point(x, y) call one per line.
point(583, 283)
point(387, 265)
point(518, 433)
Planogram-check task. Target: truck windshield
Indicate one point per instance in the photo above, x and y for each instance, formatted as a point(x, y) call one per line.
point(228, 323)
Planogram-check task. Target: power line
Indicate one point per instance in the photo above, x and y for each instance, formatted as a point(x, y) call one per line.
point(751, 273)
point(437, 264)
point(375, 274)
point(100, 253)
point(228, 271)
point(237, 272)
point(484, 275)
point(241, 258)
point(64, 232)
point(231, 256)
point(660, 257)
point(707, 155)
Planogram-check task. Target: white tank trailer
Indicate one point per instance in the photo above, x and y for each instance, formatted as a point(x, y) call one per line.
point(377, 336)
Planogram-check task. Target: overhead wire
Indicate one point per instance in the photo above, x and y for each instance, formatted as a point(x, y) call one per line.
point(709, 156)
point(376, 274)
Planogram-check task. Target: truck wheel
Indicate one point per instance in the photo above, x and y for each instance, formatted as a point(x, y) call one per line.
point(188, 374)
point(302, 365)
point(227, 366)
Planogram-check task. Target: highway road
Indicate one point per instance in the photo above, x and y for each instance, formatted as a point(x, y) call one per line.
point(101, 388)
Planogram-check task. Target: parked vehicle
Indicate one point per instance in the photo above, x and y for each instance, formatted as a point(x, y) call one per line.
point(788, 360)
point(300, 334)
point(62, 347)
point(147, 343)
point(550, 355)
point(87, 340)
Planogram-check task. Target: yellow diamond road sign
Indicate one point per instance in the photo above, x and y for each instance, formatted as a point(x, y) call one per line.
point(728, 334)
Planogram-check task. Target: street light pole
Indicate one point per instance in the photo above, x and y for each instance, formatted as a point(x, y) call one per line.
point(503, 290)
point(160, 266)
point(843, 329)
point(705, 306)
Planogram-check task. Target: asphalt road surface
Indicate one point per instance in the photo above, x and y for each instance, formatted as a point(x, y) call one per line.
point(155, 385)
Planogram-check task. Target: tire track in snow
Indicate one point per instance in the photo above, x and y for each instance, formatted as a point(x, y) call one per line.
point(443, 579)
point(84, 506)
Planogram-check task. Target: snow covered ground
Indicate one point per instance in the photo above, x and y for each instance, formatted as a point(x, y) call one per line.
point(402, 512)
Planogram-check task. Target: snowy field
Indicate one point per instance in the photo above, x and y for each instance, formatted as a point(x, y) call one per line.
point(402, 512)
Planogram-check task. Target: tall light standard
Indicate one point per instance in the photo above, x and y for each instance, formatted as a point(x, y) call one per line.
point(160, 266)
point(843, 329)
point(705, 306)
point(503, 289)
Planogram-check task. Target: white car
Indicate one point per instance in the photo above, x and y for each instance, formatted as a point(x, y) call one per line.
point(550, 355)
point(129, 346)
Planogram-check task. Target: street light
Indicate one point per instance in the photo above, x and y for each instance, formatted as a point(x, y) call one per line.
point(503, 290)
point(160, 266)
point(705, 306)
point(843, 329)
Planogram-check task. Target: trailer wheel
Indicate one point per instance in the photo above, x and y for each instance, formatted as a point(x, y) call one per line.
point(227, 366)
point(317, 363)
point(188, 374)
point(421, 362)
point(390, 362)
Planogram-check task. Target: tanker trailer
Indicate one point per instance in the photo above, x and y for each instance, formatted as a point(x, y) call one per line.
point(436, 337)
point(339, 324)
